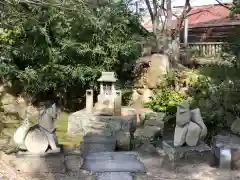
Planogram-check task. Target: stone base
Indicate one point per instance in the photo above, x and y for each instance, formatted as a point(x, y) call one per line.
point(93, 144)
point(37, 165)
point(185, 154)
point(112, 162)
point(230, 142)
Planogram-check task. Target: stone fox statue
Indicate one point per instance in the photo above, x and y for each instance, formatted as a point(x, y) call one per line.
point(46, 123)
point(37, 138)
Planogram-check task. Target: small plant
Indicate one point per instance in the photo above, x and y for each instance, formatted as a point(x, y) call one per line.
point(165, 100)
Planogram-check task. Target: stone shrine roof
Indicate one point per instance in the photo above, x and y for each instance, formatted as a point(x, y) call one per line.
point(107, 77)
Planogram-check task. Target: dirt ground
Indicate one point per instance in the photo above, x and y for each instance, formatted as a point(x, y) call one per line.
point(154, 166)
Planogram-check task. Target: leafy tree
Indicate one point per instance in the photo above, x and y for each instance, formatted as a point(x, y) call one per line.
point(56, 47)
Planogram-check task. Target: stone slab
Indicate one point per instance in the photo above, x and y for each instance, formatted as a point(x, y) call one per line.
point(90, 139)
point(34, 165)
point(123, 165)
point(112, 155)
point(40, 155)
point(114, 176)
point(94, 144)
point(178, 155)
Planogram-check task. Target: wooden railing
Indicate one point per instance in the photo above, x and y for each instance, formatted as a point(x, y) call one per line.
point(206, 49)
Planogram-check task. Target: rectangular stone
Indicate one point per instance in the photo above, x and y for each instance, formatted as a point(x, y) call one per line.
point(114, 176)
point(230, 142)
point(124, 165)
point(99, 139)
point(178, 155)
point(112, 155)
point(48, 164)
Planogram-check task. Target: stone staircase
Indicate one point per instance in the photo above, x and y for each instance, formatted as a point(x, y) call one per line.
point(100, 159)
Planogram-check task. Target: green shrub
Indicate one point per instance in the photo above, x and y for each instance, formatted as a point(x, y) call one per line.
point(165, 100)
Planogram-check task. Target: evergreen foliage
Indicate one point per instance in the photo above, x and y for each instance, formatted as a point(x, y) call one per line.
point(56, 47)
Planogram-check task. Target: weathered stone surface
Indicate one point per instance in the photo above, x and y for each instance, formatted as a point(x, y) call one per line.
point(146, 134)
point(235, 128)
point(197, 118)
point(159, 65)
point(36, 141)
point(155, 122)
point(231, 142)
point(183, 115)
point(124, 165)
point(114, 176)
point(34, 165)
point(81, 123)
point(178, 155)
point(95, 143)
point(112, 155)
point(180, 135)
point(73, 162)
point(147, 149)
point(123, 140)
point(193, 134)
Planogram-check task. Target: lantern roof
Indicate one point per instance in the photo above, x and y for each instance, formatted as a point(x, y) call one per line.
point(107, 77)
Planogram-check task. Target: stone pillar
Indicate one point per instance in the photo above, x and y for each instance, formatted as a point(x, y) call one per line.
point(113, 89)
point(118, 103)
point(101, 88)
point(89, 101)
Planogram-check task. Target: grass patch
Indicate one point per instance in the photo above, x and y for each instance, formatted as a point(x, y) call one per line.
point(63, 137)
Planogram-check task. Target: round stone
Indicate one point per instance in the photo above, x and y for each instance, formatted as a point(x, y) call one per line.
point(36, 141)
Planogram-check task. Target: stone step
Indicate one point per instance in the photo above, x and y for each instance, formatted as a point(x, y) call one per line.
point(93, 143)
point(112, 155)
point(114, 176)
point(123, 165)
point(90, 139)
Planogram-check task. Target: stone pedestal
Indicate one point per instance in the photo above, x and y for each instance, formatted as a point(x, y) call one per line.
point(118, 103)
point(185, 154)
point(230, 143)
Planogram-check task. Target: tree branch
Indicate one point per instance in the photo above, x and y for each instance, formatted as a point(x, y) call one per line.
point(221, 4)
point(149, 9)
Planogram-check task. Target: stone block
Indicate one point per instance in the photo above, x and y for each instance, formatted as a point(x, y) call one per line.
point(235, 127)
point(98, 166)
point(123, 140)
point(178, 155)
point(114, 176)
point(231, 142)
point(77, 122)
point(93, 143)
point(112, 155)
point(180, 135)
point(197, 118)
point(193, 134)
point(183, 115)
point(146, 134)
point(33, 165)
point(155, 122)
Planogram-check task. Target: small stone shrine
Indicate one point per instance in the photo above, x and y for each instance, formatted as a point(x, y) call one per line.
point(189, 132)
point(106, 99)
point(104, 118)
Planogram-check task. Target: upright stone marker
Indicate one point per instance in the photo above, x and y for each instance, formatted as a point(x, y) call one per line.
point(118, 103)
point(89, 101)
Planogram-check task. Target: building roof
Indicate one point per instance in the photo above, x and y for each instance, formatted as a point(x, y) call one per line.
point(205, 16)
point(208, 15)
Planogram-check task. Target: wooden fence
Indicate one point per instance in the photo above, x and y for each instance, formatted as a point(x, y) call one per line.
point(206, 49)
